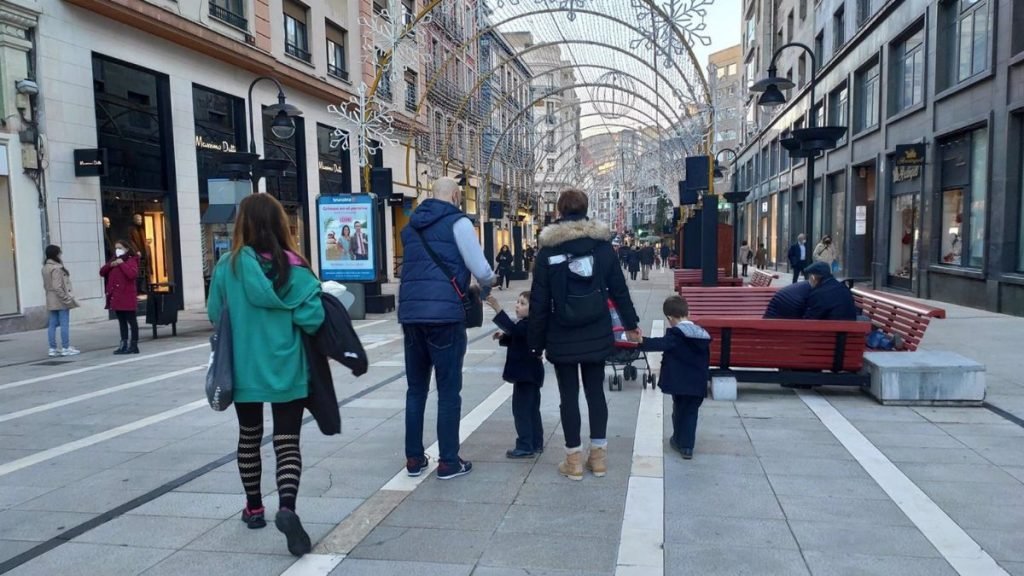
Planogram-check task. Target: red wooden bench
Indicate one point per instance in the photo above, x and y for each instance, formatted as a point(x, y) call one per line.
point(694, 277)
point(727, 301)
point(798, 352)
point(898, 316)
point(762, 279)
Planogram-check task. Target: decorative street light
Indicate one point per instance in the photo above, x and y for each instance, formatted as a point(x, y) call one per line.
point(250, 165)
point(808, 142)
point(734, 197)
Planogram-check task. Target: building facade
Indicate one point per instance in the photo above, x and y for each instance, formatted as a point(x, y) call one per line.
point(923, 194)
point(153, 92)
point(557, 133)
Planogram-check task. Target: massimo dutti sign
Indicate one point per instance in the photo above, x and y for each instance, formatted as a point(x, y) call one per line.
point(222, 146)
point(90, 162)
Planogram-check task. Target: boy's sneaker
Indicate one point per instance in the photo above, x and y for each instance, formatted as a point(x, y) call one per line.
point(254, 518)
point(54, 353)
point(416, 466)
point(449, 471)
point(70, 351)
point(287, 521)
point(519, 453)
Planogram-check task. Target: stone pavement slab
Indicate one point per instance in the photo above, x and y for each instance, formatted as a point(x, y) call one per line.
point(424, 544)
point(83, 559)
point(361, 567)
point(220, 564)
point(732, 559)
point(844, 564)
point(536, 551)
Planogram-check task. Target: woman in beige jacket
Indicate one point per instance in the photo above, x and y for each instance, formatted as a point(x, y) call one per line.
point(59, 302)
point(825, 251)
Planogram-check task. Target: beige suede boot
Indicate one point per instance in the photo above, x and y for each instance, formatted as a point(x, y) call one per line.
point(572, 467)
point(597, 461)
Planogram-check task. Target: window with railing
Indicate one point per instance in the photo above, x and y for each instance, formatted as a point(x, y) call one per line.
point(412, 97)
point(296, 35)
point(384, 86)
point(230, 12)
point(337, 40)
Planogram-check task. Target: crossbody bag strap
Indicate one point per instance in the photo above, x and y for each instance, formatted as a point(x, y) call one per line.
point(440, 264)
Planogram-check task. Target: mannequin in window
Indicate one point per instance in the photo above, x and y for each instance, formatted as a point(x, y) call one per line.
point(137, 237)
point(953, 256)
point(108, 239)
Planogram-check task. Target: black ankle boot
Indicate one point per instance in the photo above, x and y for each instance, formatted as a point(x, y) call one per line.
point(134, 348)
point(122, 349)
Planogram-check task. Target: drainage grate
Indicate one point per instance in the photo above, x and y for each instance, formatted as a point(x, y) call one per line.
point(52, 363)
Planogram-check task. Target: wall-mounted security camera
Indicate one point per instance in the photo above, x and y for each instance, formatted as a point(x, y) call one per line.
point(27, 87)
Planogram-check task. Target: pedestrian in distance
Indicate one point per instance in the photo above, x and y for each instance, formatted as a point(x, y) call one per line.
point(647, 261)
point(273, 300)
point(121, 275)
point(60, 300)
point(504, 262)
point(634, 263)
point(665, 253)
point(431, 311)
point(576, 274)
point(825, 252)
point(528, 255)
point(685, 360)
point(761, 257)
point(746, 255)
point(525, 371)
point(799, 257)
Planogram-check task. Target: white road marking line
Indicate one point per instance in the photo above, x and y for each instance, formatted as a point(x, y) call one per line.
point(314, 565)
point(403, 483)
point(382, 343)
point(56, 451)
point(139, 358)
point(96, 394)
point(955, 545)
point(85, 369)
point(643, 523)
point(388, 364)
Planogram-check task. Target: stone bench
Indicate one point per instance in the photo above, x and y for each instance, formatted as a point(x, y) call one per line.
point(926, 378)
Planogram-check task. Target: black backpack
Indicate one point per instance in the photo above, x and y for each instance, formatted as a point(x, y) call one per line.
point(580, 301)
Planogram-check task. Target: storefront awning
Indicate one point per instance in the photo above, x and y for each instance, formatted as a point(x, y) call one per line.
point(219, 214)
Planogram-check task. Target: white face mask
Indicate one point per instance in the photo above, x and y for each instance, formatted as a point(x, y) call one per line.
point(120, 252)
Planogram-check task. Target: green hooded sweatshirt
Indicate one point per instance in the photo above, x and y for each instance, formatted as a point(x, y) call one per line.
point(266, 326)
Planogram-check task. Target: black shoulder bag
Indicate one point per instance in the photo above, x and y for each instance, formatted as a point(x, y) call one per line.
point(471, 302)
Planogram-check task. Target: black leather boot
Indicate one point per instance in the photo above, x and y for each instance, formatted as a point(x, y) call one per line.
point(123, 349)
point(134, 348)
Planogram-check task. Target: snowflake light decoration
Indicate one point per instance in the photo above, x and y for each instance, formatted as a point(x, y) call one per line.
point(686, 16)
point(387, 31)
point(374, 125)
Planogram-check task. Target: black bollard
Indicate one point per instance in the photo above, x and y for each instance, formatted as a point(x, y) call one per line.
point(709, 241)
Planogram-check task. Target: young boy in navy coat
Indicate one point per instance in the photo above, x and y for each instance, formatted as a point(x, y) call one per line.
point(526, 373)
point(686, 350)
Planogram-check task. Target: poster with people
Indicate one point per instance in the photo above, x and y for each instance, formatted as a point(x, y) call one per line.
point(346, 230)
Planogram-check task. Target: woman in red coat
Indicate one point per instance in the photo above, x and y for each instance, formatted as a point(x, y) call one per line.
point(122, 295)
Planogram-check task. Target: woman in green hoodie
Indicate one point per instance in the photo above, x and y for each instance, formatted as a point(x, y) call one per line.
point(272, 298)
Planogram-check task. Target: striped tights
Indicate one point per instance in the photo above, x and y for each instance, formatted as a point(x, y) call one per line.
point(287, 426)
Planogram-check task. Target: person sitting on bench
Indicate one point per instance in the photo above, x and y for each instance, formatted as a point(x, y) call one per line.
point(829, 299)
point(790, 302)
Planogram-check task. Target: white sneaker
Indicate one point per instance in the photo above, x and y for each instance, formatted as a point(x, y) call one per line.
point(70, 351)
point(54, 353)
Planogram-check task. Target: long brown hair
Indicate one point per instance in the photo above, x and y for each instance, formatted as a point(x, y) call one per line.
point(263, 226)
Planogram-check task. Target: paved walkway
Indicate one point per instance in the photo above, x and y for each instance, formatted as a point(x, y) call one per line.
point(114, 466)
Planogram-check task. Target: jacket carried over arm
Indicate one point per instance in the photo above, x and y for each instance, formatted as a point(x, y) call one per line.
point(267, 325)
point(593, 342)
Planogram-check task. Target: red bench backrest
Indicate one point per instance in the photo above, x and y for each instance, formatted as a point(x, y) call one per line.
point(761, 279)
point(895, 317)
point(727, 301)
point(787, 344)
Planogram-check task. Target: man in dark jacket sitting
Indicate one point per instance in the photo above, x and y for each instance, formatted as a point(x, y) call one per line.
point(829, 298)
point(790, 302)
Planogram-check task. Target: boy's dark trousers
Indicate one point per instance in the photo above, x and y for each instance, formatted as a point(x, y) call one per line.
point(526, 413)
point(684, 419)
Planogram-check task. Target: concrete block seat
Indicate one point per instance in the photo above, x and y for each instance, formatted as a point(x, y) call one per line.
point(925, 378)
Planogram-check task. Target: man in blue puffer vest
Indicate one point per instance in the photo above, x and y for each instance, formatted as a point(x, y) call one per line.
point(434, 321)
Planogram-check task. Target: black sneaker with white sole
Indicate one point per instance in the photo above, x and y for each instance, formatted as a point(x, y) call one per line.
point(449, 471)
point(415, 466)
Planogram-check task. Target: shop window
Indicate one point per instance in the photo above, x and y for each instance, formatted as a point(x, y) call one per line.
point(337, 40)
point(837, 189)
point(903, 239)
point(334, 164)
point(296, 35)
point(964, 199)
point(907, 68)
point(289, 185)
point(866, 97)
point(965, 35)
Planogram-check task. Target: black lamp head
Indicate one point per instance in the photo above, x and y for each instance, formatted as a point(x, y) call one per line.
point(771, 89)
point(283, 114)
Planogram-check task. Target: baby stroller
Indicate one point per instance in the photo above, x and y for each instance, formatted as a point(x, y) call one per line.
point(624, 355)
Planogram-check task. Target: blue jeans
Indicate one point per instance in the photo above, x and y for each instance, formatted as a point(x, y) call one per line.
point(443, 348)
point(61, 318)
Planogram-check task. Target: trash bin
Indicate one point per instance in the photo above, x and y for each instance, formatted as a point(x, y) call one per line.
point(162, 307)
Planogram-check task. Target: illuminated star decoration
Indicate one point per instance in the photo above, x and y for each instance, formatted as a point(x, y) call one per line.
point(686, 16)
point(373, 126)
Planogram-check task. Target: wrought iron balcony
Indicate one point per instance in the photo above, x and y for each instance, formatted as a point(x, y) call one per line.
point(228, 17)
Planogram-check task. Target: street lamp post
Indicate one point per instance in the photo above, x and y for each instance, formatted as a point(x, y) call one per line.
point(734, 197)
point(808, 142)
